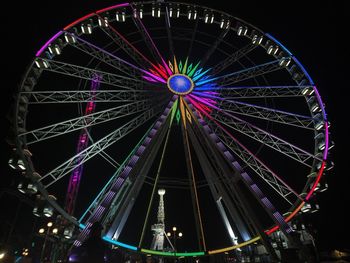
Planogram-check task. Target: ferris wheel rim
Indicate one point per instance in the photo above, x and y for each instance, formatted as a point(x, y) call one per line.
point(313, 185)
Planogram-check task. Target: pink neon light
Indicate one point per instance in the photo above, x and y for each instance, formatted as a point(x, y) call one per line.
point(204, 101)
point(154, 76)
point(199, 107)
point(167, 67)
point(111, 7)
point(204, 98)
point(149, 79)
point(154, 72)
point(48, 43)
point(320, 172)
point(79, 20)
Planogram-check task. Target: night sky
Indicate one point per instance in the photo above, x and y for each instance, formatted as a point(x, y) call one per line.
point(312, 33)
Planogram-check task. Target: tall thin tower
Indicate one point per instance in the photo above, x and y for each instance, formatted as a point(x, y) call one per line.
point(159, 228)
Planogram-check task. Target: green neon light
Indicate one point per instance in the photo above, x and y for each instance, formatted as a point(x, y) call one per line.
point(185, 67)
point(178, 116)
point(189, 69)
point(172, 254)
point(180, 66)
point(155, 252)
point(193, 70)
point(173, 110)
point(190, 254)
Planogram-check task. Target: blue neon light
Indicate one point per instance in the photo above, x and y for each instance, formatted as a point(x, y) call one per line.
point(303, 69)
point(279, 43)
point(180, 83)
point(120, 244)
point(114, 242)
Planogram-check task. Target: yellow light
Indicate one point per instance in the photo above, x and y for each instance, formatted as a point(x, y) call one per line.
point(174, 228)
point(2, 255)
point(168, 234)
point(49, 224)
point(180, 234)
point(55, 230)
point(41, 230)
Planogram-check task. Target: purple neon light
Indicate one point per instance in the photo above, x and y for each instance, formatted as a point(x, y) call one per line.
point(149, 79)
point(48, 43)
point(204, 101)
point(74, 180)
point(207, 94)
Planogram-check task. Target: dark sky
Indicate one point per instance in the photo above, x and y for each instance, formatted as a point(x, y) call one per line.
point(311, 32)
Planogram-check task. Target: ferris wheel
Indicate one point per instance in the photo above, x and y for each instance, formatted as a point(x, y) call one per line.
point(138, 97)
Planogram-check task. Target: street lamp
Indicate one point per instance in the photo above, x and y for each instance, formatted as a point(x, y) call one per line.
point(174, 236)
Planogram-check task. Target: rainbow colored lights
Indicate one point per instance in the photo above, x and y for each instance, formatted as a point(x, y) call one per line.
point(185, 80)
point(196, 86)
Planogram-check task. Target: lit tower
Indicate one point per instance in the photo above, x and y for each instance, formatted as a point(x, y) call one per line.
point(159, 228)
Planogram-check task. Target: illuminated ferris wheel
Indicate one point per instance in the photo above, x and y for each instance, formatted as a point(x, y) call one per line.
point(141, 96)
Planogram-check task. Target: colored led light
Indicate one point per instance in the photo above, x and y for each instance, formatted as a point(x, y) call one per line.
point(180, 84)
point(48, 43)
point(120, 244)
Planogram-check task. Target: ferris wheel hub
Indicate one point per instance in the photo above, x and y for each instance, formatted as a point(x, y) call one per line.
point(180, 84)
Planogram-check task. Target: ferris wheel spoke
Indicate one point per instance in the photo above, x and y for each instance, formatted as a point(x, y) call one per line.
point(106, 200)
point(79, 96)
point(85, 121)
point(244, 74)
point(231, 59)
point(88, 73)
point(149, 42)
point(267, 114)
point(110, 59)
point(102, 144)
point(264, 201)
point(193, 37)
point(98, 199)
point(213, 47)
point(169, 33)
point(257, 165)
point(251, 92)
point(265, 138)
point(126, 46)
